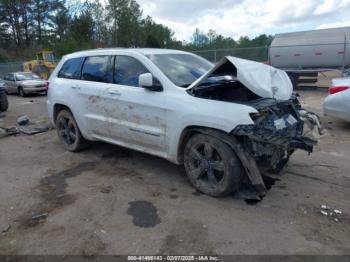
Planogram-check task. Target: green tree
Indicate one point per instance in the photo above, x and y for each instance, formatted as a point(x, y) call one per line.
point(42, 16)
point(125, 17)
point(156, 35)
point(61, 19)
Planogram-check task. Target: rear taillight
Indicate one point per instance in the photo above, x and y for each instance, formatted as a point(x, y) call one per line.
point(336, 89)
point(47, 86)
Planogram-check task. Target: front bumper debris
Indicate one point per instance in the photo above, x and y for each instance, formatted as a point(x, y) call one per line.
point(278, 131)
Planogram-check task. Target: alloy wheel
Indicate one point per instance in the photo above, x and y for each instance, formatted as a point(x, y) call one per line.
point(67, 130)
point(206, 165)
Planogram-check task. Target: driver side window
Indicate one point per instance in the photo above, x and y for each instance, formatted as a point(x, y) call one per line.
point(9, 77)
point(127, 70)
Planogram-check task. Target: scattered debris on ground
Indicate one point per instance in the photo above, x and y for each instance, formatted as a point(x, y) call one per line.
point(6, 229)
point(106, 189)
point(8, 131)
point(39, 216)
point(25, 126)
point(334, 214)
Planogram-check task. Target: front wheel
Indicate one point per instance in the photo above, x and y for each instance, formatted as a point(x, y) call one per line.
point(212, 166)
point(21, 92)
point(68, 132)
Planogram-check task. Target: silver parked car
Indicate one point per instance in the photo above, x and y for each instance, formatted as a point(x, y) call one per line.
point(337, 103)
point(23, 83)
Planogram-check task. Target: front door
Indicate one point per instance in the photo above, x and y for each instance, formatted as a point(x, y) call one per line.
point(136, 115)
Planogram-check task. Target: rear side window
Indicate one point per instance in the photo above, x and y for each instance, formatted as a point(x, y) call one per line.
point(98, 69)
point(71, 68)
point(127, 70)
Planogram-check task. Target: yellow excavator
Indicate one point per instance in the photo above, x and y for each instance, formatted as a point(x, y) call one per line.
point(44, 64)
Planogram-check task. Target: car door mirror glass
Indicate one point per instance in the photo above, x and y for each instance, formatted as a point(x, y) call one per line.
point(148, 82)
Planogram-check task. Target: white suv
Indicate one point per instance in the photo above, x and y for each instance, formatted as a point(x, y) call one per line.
point(224, 122)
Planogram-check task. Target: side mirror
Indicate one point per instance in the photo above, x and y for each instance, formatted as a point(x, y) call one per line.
point(147, 81)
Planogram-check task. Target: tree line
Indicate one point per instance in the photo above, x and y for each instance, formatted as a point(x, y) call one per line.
point(27, 26)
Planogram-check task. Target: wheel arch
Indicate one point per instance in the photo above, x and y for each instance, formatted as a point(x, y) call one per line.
point(58, 107)
point(189, 131)
point(248, 162)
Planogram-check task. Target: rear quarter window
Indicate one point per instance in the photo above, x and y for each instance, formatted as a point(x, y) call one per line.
point(71, 69)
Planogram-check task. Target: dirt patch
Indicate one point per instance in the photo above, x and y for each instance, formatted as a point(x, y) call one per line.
point(197, 193)
point(93, 245)
point(113, 169)
point(94, 99)
point(53, 194)
point(187, 237)
point(316, 227)
point(144, 214)
point(120, 153)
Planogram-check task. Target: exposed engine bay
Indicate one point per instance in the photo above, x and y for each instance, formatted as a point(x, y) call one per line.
point(225, 90)
point(279, 125)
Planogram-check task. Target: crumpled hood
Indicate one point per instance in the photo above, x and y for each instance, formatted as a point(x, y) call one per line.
point(261, 79)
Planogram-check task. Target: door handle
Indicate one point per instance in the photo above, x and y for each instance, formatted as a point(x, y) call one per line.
point(114, 93)
point(75, 87)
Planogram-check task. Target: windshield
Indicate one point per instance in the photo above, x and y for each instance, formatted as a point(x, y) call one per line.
point(181, 69)
point(26, 76)
point(50, 57)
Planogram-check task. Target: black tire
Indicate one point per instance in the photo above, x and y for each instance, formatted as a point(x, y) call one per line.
point(4, 103)
point(69, 132)
point(21, 92)
point(212, 166)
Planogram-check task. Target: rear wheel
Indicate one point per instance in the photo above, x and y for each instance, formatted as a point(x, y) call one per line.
point(212, 166)
point(69, 132)
point(4, 104)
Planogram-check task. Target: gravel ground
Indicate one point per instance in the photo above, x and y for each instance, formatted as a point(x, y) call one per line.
point(110, 200)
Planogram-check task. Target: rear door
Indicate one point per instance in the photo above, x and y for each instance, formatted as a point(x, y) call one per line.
point(136, 115)
point(65, 87)
point(92, 89)
point(82, 84)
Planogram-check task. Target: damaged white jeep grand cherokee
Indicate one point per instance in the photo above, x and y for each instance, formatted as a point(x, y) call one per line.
point(225, 123)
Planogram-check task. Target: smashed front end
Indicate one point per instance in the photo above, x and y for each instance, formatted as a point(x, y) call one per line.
point(278, 130)
point(280, 125)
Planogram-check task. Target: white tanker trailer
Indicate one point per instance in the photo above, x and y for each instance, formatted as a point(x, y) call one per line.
point(305, 54)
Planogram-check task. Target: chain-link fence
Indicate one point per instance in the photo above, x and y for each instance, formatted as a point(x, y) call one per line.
point(250, 53)
point(10, 67)
point(335, 55)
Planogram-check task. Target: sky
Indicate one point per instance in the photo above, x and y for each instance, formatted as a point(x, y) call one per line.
point(235, 18)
